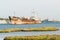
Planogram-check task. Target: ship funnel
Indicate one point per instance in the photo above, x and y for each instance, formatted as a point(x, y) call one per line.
point(9, 18)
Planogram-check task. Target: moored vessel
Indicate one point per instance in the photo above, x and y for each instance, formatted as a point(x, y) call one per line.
point(24, 20)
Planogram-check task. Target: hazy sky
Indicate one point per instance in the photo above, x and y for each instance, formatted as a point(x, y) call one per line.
point(44, 8)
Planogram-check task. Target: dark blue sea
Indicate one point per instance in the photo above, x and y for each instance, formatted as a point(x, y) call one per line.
point(43, 24)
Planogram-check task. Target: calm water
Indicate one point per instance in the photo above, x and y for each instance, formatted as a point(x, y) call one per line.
point(5, 26)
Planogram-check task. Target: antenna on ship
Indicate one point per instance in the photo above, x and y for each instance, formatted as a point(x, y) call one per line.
point(36, 15)
point(33, 13)
point(14, 13)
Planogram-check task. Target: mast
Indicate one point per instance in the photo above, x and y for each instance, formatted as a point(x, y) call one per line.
point(14, 13)
point(33, 13)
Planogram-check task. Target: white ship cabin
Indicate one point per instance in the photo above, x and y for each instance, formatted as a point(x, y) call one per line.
point(34, 18)
point(25, 18)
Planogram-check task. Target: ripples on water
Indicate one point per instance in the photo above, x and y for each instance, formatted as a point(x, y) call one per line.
point(5, 26)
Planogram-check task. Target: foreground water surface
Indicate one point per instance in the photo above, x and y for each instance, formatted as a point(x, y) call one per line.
point(5, 26)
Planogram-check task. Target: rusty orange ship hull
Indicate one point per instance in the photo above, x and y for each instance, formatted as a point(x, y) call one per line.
point(24, 22)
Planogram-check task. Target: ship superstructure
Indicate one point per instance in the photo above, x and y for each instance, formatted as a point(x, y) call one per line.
point(24, 20)
point(21, 20)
